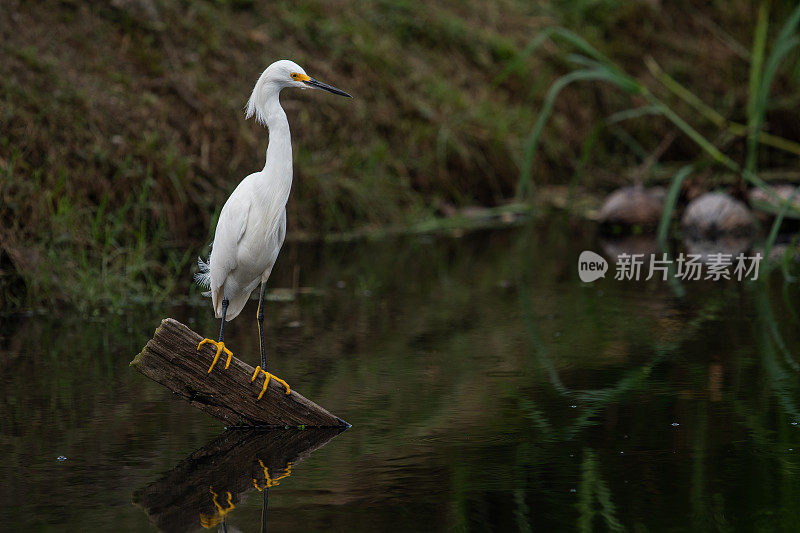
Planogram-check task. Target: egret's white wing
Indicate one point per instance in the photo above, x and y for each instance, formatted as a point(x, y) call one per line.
point(231, 227)
point(274, 242)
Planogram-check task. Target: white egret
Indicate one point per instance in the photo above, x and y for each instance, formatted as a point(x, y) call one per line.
point(252, 224)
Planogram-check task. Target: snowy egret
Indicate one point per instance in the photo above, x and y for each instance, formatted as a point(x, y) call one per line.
point(252, 224)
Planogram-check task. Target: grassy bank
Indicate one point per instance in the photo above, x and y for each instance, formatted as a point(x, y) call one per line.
point(121, 128)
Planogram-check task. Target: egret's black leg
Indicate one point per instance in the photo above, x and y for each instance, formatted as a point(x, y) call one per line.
point(219, 344)
point(264, 511)
point(260, 319)
point(263, 366)
point(224, 312)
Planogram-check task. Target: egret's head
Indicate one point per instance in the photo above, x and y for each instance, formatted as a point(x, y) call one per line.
point(278, 76)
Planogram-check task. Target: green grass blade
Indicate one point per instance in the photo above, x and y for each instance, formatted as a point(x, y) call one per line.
point(776, 225)
point(755, 113)
point(782, 48)
point(712, 115)
point(531, 143)
point(531, 47)
point(786, 41)
point(581, 44)
point(693, 134)
point(615, 75)
point(636, 112)
point(669, 204)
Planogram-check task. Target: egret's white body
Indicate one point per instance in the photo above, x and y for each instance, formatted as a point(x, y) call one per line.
point(249, 236)
point(252, 224)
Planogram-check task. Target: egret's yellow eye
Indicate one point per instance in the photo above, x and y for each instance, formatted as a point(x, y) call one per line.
point(296, 76)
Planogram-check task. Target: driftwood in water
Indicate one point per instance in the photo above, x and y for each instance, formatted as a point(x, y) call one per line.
point(203, 488)
point(171, 358)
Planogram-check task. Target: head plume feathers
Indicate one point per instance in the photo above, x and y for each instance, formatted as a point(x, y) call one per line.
point(258, 100)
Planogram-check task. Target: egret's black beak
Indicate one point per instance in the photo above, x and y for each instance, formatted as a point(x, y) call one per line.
point(319, 85)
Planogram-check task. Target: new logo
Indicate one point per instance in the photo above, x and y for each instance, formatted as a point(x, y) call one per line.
point(591, 266)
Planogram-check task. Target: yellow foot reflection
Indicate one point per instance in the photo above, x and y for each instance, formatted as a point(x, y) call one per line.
point(209, 521)
point(220, 348)
point(271, 482)
point(267, 377)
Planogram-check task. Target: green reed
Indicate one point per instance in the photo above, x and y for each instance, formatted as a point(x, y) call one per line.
point(593, 65)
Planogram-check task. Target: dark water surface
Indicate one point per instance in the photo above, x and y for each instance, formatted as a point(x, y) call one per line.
point(488, 388)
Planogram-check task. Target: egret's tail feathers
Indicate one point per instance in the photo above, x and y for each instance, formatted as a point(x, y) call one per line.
point(203, 275)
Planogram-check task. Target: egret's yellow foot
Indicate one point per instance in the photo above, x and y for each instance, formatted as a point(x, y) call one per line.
point(220, 348)
point(267, 377)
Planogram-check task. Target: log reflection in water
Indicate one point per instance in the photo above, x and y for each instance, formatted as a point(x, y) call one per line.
point(203, 488)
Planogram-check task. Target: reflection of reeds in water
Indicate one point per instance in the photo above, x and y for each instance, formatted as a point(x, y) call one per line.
point(206, 486)
point(594, 488)
point(780, 366)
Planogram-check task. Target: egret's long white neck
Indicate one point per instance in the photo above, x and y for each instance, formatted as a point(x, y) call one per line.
point(279, 149)
point(277, 173)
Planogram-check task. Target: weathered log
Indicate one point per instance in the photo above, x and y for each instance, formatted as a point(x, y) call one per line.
point(171, 358)
point(203, 488)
